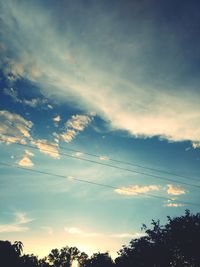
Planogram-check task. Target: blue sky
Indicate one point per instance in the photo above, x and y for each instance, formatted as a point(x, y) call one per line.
point(114, 79)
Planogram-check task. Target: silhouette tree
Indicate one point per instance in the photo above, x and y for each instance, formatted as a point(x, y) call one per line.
point(82, 259)
point(99, 260)
point(29, 260)
point(74, 254)
point(64, 257)
point(18, 247)
point(175, 244)
point(54, 257)
point(44, 262)
point(9, 254)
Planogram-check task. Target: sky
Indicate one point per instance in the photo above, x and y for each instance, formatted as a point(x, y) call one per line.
point(99, 120)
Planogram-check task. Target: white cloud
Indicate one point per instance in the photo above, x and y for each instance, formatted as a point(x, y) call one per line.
point(78, 154)
point(34, 102)
point(78, 122)
point(68, 136)
point(127, 235)
point(45, 147)
point(26, 161)
point(78, 231)
point(57, 119)
point(104, 158)
point(196, 145)
point(9, 228)
point(29, 153)
point(136, 189)
point(175, 190)
point(173, 204)
point(10, 139)
point(50, 106)
point(21, 219)
point(23, 66)
point(14, 128)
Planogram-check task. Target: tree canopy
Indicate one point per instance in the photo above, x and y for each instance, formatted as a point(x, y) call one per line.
point(174, 244)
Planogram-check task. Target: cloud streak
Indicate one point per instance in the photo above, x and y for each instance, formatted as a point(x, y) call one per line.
point(19, 225)
point(33, 102)
point(80, 232)
point(173, 205)
point(136, 190)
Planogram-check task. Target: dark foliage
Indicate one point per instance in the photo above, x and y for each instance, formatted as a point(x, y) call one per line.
point(99, 260)
point(175, 244)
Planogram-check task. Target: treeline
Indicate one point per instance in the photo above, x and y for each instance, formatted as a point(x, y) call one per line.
point(175, 244)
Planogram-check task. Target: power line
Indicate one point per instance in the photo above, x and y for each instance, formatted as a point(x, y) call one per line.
point(130, 163)
point(123, 162)
point(97, 184)
point(109, 165)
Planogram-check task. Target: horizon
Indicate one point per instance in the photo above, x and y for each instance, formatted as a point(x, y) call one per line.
point(99, 120)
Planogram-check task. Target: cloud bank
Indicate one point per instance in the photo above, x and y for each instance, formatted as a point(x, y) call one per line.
point(119, 88)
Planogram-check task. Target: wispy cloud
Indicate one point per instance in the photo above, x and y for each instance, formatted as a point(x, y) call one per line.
point(136, 189)
point(14, 128)
point(11, 228)
point(78, 231)
point(78, 154)
point(33, 102)
point(127, 235)
point(21, 219)
point(132, 104)
point(104, 158)
point(175, 190)
point(48, 229)
point(51, 149)
point(173, 205)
